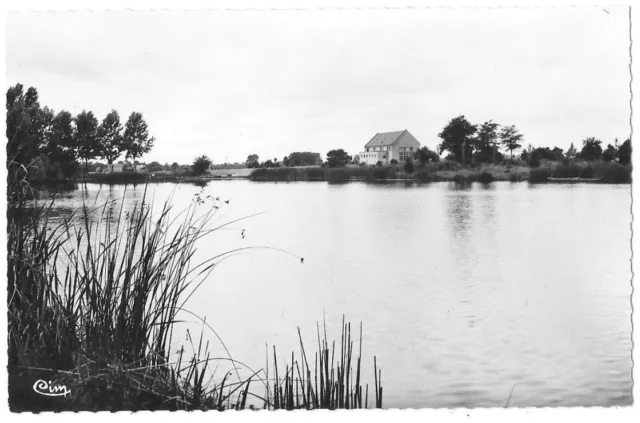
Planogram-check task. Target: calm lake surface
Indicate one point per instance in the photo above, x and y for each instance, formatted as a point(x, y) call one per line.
point(465, 295)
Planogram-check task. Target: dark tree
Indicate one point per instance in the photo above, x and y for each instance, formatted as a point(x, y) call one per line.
point(253, 161)
point(511, 138)
point(155, 167)
point(591, 149)
point(338, 158)
point(136, 138)
point(609, 154)
point(303, 158)
point(486, 141)
point(61, 147)
point(24, 125)
point(457, 139)
point(86, 137)
point(624, 152)
point(571, 152)
point(200, 165)
point(110, 138)
point(425, 155)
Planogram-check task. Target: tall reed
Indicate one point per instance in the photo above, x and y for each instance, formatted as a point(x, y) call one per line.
point(92, 304)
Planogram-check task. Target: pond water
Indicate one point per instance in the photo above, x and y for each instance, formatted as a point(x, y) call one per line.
point(467, 295)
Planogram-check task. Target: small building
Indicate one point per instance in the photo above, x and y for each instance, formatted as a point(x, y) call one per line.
point(387, 146)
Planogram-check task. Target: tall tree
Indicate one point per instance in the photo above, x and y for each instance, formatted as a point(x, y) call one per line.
point(609, 154)
point(136, 138)
point(86, 137)
point(591, 149)
point(571, 152)
point(24, 125)
point(200, 165)
point(110, 138)
point(457, 138)
point(61, 145)
point(253, 161)
point(511, 138)
point(624, 152)
point(486, 140)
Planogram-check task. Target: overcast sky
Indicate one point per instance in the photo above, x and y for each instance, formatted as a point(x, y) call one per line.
point(229, 84)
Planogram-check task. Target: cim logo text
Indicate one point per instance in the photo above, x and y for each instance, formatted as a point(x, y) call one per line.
point(43, 387)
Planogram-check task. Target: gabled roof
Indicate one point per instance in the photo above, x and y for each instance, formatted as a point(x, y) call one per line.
point(385, 138)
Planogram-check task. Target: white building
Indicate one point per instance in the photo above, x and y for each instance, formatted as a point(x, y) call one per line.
point(386, 146)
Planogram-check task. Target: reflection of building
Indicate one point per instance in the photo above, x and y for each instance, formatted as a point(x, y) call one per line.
point(387, 146)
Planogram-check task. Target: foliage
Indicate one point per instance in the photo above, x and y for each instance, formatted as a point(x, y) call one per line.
point(425, 155)
point(624, 153)
point(303, 158)
point(457, 139)
point(25, 125)
point(408, 166)
point(136, 139)
point(338, 158)
point(393, 162)
point(155, 167)
point(485, 143)
point(511, 138)
point(609, 154)
point(110, 138)
point(86, 136)
point(591, 149)
point(200, 165)
point(253, 161)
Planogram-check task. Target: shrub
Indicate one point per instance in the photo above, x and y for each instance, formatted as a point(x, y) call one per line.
point(362, 164)
point(379, 164)
point(408, 167)
point(485, 177)
point(394, 162)
point(616, 173)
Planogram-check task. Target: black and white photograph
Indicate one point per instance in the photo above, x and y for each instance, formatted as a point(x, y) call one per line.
point(319, 208)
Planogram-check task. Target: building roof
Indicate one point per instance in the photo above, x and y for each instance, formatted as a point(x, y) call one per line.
point(385, 138)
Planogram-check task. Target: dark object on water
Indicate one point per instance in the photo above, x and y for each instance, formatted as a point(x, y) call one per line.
point(301, 259)
point(227, 201)
point(574, 180)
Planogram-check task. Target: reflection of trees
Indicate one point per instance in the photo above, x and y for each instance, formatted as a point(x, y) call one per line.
point(459, 210)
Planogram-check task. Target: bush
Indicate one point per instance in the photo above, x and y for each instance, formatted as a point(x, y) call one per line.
point(408, 167)
point(362, 164)
point(616, 173)
point(485, 177)
point(379, 164)
point(394, 162)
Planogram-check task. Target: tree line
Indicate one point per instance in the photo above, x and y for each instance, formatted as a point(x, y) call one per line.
point(57, 141)
point(468, 143)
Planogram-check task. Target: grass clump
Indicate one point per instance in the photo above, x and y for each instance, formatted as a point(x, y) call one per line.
point(485, 177)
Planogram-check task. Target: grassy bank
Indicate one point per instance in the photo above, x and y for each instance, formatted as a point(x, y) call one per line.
point(447, 171)
point(609, 173)
point(433, 172)
point(125, 178)
point(92, 304)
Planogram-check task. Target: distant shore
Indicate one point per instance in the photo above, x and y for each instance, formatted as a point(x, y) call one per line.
point(602, 172)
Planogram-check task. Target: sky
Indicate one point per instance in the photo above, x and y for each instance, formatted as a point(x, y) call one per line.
point(233, 83)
